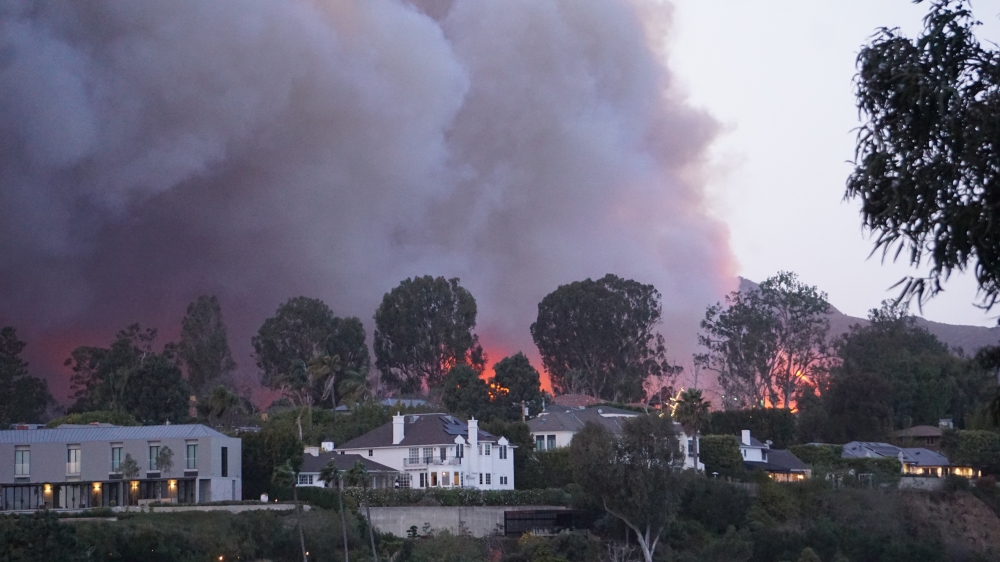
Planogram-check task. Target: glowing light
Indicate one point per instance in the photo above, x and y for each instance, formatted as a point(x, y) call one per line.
point(172, 484)
point(48, 488)
point(97, 486)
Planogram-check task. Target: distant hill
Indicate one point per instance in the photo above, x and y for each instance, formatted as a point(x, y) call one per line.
point(968, 339)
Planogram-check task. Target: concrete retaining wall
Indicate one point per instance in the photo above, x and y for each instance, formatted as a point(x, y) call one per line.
point(920, 483)
point(477, 521)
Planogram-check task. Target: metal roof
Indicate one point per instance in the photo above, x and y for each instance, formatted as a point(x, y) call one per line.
point(79, 434)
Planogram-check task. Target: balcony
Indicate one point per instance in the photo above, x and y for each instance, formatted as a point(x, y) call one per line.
point(412, 463)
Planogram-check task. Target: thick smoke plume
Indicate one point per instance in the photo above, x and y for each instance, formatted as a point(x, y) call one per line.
point(257, 150)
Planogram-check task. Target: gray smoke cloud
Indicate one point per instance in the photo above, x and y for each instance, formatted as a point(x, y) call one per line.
point(154, 151)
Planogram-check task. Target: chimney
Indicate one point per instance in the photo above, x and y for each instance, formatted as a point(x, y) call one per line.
point(746, 437)
point(327, 446)
point(473, 452)
point(397, 428)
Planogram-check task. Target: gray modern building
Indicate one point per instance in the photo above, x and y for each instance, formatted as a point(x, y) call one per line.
point(83, 466)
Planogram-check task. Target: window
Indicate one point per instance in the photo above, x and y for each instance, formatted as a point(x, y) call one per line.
point(503, 451)
point(480, 449)
point(480, 478)
point(550, 442)
point(116, 458)
point(488, 478)
point(371, 453)
point(423, 480)
point(459, 451)
point(305, 480)
point(444, 478)
point(73, 459)
point(444, 454)
point(22, 461)
point(413, 457)
point(503, 480)
point(154, 451)
point(192, 456)
point(434, 479)
point(428, 454)
point(403, 480)
point(690, 447)
point(744, 453)
point(456, 479)
point(225, 461)
point(486, 448)
point(539, 442)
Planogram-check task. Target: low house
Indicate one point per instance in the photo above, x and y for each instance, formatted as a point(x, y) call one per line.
point(920, 434)
point(555, 427)
point(916, 461)
point(315, 459)
point(437, 450)
point(779, 464)
point(84, 466)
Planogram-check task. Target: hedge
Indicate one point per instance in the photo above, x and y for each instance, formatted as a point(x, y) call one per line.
point(327, 497)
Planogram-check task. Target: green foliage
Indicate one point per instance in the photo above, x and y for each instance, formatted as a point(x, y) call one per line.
point(129, 468)
point(764, 340)
point(777, 501)
point(546, 469)
point(818, 455)
point(715, 504)
point(23, 398)
point(897, 374)
point(129, 376)
point(765, 424)
point(204, 345)
point(925, 162)
point(301, 330)
point(632, 476)
point(423, 327)
point(809, 555)
point(264, 450)
point(465, 394)
point(37, 538)
point(100, 416)
point(721, 453)
point(522, 386)
point(596, 338)
point(444, 547)
point(978, 449)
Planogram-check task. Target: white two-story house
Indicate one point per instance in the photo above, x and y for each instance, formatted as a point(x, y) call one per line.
point(556, 425)
point(438, 451)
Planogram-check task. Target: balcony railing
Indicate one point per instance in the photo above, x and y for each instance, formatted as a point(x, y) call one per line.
point(431, 462)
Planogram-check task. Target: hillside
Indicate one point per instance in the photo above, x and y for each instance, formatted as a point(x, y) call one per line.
point(968, 339)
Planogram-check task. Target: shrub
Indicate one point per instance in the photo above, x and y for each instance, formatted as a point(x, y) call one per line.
point(777, 425)
point(721, 453)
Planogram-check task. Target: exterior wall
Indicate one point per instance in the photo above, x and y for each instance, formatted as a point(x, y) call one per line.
point(755, 454)
point(564, 438)
point(397, 457)
point(48, 467)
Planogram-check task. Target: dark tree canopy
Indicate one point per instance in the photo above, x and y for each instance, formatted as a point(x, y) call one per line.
point(766, 343)
point(465, 394)
point(129, 376)
point(911, 374)
point(596, 337)
point(515, 383)
point(927, 162)
point(23, 398)
point(423, 328)
point(301, 330)
point(204, 345)
point(633, 476)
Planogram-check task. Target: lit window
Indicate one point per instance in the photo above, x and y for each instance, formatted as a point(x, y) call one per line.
point(456, 477)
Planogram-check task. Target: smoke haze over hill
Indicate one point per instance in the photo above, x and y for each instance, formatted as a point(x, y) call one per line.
point(154, 151)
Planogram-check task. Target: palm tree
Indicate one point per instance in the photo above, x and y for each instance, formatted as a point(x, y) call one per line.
point(691, 412)
point(358, 476)
point(331, 475)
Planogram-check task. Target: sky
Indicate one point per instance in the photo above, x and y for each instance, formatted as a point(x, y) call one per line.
point(778, 75)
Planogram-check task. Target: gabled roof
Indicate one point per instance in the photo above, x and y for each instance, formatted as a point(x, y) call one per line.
point(754, 443)
point(79, 434)
point(418, 429)
point(779, 460)
point(909, 455)
point(344, 462)
point(573, 419)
